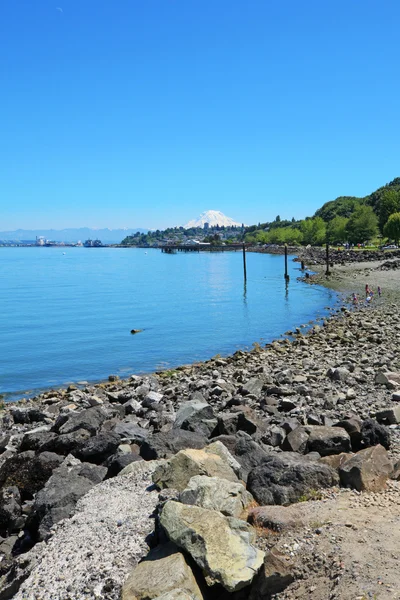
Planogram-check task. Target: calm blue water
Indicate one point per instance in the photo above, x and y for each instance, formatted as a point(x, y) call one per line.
point(67, 317)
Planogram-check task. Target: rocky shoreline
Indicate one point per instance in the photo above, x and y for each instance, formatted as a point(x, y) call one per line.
point(230, 473)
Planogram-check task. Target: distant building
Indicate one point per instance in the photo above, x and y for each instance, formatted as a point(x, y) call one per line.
point(40, 241)
point(206, 226)
point(93, 244)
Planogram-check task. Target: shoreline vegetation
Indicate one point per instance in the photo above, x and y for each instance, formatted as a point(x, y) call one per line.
point(179, 443)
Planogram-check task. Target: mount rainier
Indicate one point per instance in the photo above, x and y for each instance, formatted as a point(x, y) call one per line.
point(213, 218)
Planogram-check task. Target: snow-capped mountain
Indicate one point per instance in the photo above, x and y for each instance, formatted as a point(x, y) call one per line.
point(213, 218)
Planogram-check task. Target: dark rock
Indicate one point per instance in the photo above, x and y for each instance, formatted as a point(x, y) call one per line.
point(117, 463)
point(98, 448)
point(28, 415)
point(36, 440)
point(10, 509)
point(327, 440)
point(229, 442)
point(340, 374)
point(284, 478)
point(275, 575)
point(274, 436)
point(286, 405)
point(254, 386)
point(197, 416)
point(166, 444)
point(389, 416)
point(58, 498)
point(131, 432)
point(90, 419)
point(228, 423)
point(242, 418)
point(248, 421)
point(296, 441)
point(372, 434)
point(152, 400)
point(313, 420)
point(28, 472)
point(353, 427)
point(248, 454)
point(94, 473)
point(289, 425)
point(4, 439)
point(67, 443)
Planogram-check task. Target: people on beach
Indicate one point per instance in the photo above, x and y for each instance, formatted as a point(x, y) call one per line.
point(366, 290)
point(379, 291)
point(355, 298)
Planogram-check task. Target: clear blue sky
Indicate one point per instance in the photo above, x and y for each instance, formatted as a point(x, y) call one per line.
point(144, 113)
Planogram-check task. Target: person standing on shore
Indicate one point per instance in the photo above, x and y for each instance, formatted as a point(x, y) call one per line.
point(366, 290)
point(379, 291)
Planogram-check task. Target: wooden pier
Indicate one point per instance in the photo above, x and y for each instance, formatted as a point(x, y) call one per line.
point(173, 249)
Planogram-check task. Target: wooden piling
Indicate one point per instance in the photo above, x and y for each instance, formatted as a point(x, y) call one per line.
point(286, 269)
point(327, 272)
point(244, 262)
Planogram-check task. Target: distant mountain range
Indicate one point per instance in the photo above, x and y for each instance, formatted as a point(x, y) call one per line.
point(213, 218)
point(107, 236)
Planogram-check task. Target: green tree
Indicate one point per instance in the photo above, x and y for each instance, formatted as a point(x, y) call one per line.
point(336, 230)
point(389, 203)
point(313, 230)
point(392, 227)
point(362, 225)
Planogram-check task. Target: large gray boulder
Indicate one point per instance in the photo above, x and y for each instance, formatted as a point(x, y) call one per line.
point(166, 444)
point(213, 493)
point(177, 472)
point(221, 546)
point(285, 478)
point(164, 571)
point(90, 419)
point(197, 416)
point(131, 432)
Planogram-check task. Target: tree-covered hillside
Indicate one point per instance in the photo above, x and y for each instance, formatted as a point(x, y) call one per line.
point(346, 219)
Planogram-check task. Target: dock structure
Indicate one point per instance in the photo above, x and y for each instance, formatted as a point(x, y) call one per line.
point(174, 248)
